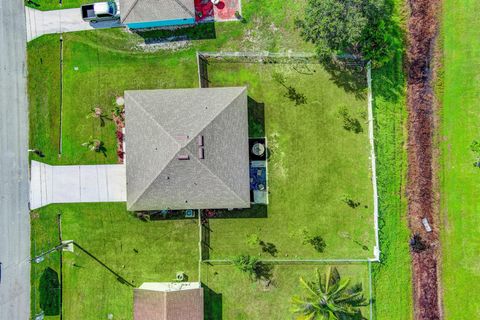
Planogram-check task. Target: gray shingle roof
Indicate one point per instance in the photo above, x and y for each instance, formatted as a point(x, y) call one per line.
point(155, 10)
point(162, 125)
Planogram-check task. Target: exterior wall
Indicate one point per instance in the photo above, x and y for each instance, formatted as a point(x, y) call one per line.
point(160, 23)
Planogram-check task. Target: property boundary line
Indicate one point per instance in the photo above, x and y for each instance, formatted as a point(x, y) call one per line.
point(60, 140)
point(370, 286)
point(294, 261)
point(376, 250)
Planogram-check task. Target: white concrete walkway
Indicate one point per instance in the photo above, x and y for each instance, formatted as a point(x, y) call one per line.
point(70, 184)
point(58, 21)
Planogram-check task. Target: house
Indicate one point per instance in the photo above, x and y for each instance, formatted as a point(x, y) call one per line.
point(187, 149)
point(141, 14)
point(168, 301)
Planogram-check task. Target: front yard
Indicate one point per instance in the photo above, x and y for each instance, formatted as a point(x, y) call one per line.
point(137, 251)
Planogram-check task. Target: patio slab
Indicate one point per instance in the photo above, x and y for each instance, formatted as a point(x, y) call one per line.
point(222, 11)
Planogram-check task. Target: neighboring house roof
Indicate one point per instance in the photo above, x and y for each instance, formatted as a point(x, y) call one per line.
point(155, 10)
point(162, 126)
point(168, 305)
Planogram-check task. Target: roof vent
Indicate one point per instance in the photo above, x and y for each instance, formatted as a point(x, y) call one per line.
point(201, 153)
point(182, 137)
point(200, 140)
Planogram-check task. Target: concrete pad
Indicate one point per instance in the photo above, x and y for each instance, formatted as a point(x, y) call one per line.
point(75, 184)
point(58, 21)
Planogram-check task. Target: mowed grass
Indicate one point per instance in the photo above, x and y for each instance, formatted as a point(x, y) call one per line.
point(314, 165)
point(459, 179)
point(230, 294)
point(137, 251)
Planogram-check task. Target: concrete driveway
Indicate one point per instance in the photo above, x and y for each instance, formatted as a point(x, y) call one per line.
point(59, 21)
point(74, 184)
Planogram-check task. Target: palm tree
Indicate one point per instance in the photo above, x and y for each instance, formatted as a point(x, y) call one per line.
point(98, 113)
point(95, 145)
point(329, 298)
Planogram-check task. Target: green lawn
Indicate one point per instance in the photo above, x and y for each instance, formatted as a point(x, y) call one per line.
point(314, 164)
point(138, 251)
point(230, 294)
point(101, 64)
point(459, 179)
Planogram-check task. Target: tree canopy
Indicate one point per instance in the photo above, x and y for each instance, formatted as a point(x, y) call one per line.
point(361, 28)
point(328, 297)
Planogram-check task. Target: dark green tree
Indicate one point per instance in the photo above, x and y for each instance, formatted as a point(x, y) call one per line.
point(361, 28)
point(328, 297)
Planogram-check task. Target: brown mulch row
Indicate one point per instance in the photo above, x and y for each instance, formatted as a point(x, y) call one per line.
point(421, 104)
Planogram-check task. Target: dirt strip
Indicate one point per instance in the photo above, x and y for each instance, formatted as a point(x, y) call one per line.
point(422, 32)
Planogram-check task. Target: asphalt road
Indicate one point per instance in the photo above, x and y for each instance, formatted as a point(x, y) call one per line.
point(14, 213)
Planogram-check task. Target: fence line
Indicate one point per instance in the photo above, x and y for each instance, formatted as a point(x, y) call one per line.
point(200, 237)
point(370, 285)
point(376, 250)
point(60, 139)
point(294, 261)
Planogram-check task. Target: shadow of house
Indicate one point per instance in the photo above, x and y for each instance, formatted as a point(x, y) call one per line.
point(200, 31)
point(212, 304)
point(256, 118)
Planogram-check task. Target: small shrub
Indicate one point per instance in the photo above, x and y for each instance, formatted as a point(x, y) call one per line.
point(253, 240)
point(246, 263)
point(417, 244)
point(255, 269)
point(475, 148)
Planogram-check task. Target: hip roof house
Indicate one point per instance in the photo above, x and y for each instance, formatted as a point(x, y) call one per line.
point(168, 301)
point(187, 149)
point(140, 14)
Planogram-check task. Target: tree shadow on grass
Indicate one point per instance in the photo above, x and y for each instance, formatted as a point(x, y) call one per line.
point(348, 74)
point(49, 287)
point(200, 31)
point(212, 304)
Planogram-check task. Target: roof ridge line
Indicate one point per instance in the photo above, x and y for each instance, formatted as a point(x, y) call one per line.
point(168, 134)
point(213, 119)
point(216, 116)
point(216, 176)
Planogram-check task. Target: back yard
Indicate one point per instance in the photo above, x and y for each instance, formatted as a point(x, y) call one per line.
point(319, 167)
point(319, 173)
